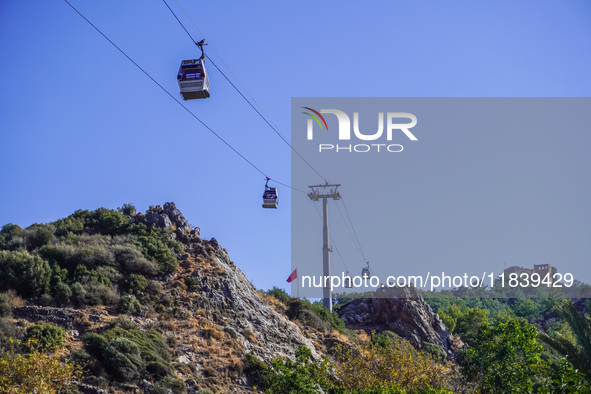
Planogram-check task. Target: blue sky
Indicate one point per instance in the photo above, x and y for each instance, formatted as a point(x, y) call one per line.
point(81, 127)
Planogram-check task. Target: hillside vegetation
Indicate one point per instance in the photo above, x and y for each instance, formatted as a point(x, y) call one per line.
point(122, 301)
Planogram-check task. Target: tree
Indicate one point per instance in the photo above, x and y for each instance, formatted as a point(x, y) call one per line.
point(387, 366)
point(300, 376)
point(506, 358)
point(46, 337)
point(29, 275)
point(579, 353)
point(35, 372)
point(470, 322)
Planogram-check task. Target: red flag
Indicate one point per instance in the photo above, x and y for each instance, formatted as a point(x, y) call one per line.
point(294, 275)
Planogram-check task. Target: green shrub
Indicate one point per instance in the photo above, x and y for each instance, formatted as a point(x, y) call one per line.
point(92, 256)
point(27, 274)
point(254, 368)
point(57, 254)
point(303, 375)
point(330, 317)
point(8, 331)
point(129, 304)
point(106, 221)
point(506, 359)
point(193, 284)
point(71, 224)
point(302, 311)
point(46, 300)
point(525, 307)
point(387, 339)
point(127, 209)
point(433, 350)
point(158, 370)
point(5, 306)
point(449, 321)
point(153, 291)
point(11, 230)
point(132, 260)
point(128, 353)
point(62, 293)
point(136, 283)
point(169, 383)
point(93, 294)
point(46, 337)
point(280, 294)
point(11, 237)
point(94, 344)
point(38, 235)
point(154, 247)
point(122, 359)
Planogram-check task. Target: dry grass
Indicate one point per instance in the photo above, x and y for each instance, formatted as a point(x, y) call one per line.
point(82, 322)
point(363, 336)
point(14, 299)
point(214, 333)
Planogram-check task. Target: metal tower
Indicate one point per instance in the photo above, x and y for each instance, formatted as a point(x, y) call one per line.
point(325, 192)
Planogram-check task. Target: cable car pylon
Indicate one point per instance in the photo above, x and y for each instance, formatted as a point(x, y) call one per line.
point(325, 192)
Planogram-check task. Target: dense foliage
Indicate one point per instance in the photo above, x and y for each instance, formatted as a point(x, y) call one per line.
point(127, 353)
point(46, 337)
point(114, 258)
point(36, 372)
point(87, 258)
point(370, 368)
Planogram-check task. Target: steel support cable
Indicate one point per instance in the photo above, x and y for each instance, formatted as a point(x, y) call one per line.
point(353, 227)
point(350, 232)
point(332, 241)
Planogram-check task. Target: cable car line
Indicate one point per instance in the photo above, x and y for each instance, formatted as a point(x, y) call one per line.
point(353, 227)
point(269, 123)
point(349, 230)
point(183, 26)
point(174, 98)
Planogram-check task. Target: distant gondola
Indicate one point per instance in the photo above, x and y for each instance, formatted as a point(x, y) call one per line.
point(270, 197)
point(348, 282)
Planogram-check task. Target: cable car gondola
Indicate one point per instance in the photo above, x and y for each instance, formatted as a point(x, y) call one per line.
point(365, 271)
point(348, 282)
point(270, 198)
point(192, 77)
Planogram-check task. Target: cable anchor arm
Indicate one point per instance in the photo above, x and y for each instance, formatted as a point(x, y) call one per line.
point(200, 45)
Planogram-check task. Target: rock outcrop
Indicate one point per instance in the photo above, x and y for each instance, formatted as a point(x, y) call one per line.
point(234, 304)
point(401, 310)
point(169, 216)
point(219, 291)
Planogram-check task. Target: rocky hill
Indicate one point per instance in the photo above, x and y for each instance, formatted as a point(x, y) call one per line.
point(110, 277)
point(403, 312)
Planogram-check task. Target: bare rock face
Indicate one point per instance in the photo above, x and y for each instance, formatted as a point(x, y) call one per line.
point(222, 293)
point(168, 217)
point(401, 310)
point(234, 304)
point(176, 217)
